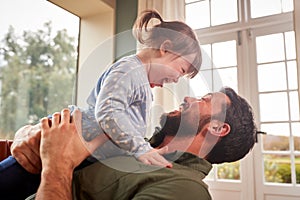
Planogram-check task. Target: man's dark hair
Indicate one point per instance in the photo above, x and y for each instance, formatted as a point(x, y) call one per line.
point(241, 138)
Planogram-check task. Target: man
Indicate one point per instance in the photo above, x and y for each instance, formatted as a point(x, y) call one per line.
point(223, 132)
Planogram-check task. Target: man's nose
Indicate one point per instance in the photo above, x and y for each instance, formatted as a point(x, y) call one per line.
point(177, 78)
point(189, 99)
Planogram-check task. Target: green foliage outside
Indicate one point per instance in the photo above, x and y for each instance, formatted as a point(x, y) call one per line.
point(276, 171)
point(279, 170)
point(279, 143)
point(229, 171)
point(37, 76)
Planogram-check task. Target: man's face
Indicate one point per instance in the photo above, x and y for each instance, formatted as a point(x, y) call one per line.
point(210, 104)
point(195, 110)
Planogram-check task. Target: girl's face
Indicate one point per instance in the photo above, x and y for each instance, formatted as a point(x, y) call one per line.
point(168, 68)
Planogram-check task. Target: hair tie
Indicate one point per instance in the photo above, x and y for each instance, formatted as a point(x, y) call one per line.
point(259, 132)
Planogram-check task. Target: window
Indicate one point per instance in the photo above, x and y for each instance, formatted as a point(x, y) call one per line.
point(218, 68)
point(205, 13)
point(270, 7)
point(38, 57)
point(253, 50)
point(277, 83)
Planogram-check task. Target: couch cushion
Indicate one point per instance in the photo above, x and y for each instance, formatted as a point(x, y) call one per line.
point(5, 149)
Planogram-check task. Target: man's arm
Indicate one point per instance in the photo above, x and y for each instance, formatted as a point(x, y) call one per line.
point(62, 148)
point(55, 184)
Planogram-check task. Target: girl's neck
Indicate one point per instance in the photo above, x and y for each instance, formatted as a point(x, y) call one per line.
point(146, 55)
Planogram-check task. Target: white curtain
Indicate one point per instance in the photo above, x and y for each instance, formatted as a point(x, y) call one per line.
point(169, 9)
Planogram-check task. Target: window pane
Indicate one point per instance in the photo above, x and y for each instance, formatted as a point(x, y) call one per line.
point(30, 9)
point(198, 14)
point(38, 70)
point(276, 129)
point(297, 162)
point(287, 5)
point(260, 8)
point(224, 54)
point(225, 77)
point(270, 48)
point(201, 84)
point(223, 12)
point(277, 169)
point(190, 1)
point(273, 107)
point(277, 138)
point(292, 75)
point(294, 105)
point(296, 135)
point(270, 72)
point(290, 45)
point(229, 171)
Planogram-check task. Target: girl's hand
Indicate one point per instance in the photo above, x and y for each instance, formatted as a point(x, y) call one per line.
point(154, 157)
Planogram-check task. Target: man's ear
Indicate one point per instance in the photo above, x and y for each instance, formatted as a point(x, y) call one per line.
point(166, 46)
point(218, 128)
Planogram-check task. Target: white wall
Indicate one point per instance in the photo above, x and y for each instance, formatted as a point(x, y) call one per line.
point(95, 51)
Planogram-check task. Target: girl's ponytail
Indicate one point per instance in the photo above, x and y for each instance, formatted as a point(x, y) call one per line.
point(142, 23)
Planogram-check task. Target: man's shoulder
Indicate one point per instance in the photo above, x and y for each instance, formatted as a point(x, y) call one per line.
point(188, 189)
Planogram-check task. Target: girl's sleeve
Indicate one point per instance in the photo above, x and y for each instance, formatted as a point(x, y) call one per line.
point(117, 121)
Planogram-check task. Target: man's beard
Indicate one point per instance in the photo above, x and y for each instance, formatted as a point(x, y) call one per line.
point(170, 123)
point(175, 125)
point(169, 126)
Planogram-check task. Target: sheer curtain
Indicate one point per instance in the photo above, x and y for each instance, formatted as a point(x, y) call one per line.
point(169, 9)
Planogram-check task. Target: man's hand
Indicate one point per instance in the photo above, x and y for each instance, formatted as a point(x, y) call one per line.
point(154, 157)
point(62, 148)
point(62, 142)
point(26, 148)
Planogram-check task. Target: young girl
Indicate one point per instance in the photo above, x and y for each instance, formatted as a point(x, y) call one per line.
point(120, 102)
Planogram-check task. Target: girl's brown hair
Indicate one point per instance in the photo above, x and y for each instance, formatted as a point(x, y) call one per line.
point(184, 40)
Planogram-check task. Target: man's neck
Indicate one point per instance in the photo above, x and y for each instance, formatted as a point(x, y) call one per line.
point(185, 144)
point(196, 145)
